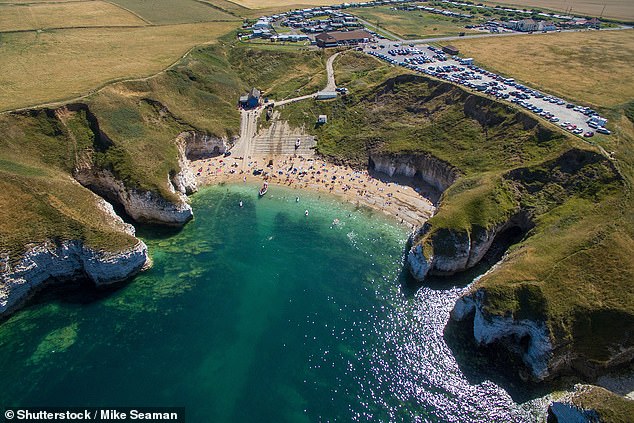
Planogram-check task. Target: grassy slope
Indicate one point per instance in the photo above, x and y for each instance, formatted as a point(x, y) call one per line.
point(40, 200)
point(610, 407)
point(144, 117)
point(584, 277)
point(575, 268)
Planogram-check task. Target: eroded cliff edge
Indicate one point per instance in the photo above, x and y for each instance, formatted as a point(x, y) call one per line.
point(55, 260)
point(561, 297)
point(60, 231)
point(554, 325)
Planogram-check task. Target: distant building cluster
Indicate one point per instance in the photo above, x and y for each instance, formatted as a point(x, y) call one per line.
point(309, 21)
point(521, 25)
point(313, 20)
point(302, 25)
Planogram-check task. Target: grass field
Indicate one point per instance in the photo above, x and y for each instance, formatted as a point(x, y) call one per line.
point(409, 24)
point(228, 6)
point(63, 64)
point(263, 4)
point(617, 9)
point(64, 15)
point(588, 67)
point(172, 12)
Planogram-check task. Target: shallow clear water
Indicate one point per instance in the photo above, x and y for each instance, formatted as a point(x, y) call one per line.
point(253, 314)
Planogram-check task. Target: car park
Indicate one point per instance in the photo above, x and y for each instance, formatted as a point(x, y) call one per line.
point(416, 57)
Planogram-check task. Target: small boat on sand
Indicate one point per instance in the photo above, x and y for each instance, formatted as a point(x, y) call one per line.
point(264, 189)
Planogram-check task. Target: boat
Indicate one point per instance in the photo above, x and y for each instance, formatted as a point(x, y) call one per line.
point(264, 189)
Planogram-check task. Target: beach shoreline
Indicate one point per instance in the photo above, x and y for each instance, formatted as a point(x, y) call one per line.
point(407, 203)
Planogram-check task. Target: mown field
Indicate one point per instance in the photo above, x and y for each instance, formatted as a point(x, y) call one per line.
point(592, 67)
point(63, 64)
point(263, 4)
point(617, 9)
point(172, 12)
point(64, 15)
point(409, 24)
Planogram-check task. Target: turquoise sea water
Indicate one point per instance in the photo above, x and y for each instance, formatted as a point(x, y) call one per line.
point(254, 314)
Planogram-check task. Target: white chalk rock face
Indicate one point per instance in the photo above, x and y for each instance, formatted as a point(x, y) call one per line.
point(453, 250)
point(418, 264)
point(529, 338)
point(184, 181)
point(433, 171)
point(65, 261)
point(142, 206)
point(199, 146)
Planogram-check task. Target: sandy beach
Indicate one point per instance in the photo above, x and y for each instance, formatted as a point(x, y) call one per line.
point(403, 202)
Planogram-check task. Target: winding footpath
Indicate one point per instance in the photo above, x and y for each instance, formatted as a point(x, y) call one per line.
point(244, 147)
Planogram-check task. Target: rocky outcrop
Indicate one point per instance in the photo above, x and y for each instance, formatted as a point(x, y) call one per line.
point(184, 181)
point(55, 261)
point(141, 205)
point(201, 146)
point(590, 404)
point(528, 338)
point(151, 206)
point(452, 251)
point(429, 169)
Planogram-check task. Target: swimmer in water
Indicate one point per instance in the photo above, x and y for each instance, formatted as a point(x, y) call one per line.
point(297, 199)
point(306, 213)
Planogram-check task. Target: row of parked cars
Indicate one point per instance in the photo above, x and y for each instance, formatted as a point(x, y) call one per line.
point(500, 87)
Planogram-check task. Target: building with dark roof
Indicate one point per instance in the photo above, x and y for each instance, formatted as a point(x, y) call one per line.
point(342, 38)
point(251, 100)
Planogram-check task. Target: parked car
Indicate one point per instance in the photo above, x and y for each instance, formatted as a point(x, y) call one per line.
point(588, 134)
point(602, 130)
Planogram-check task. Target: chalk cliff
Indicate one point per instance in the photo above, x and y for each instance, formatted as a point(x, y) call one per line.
point(60, 261)
point(198, 145)
point(144, 205)
point(431, 170)
point(141, 205)
point(529, 338)
point(448, 251)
